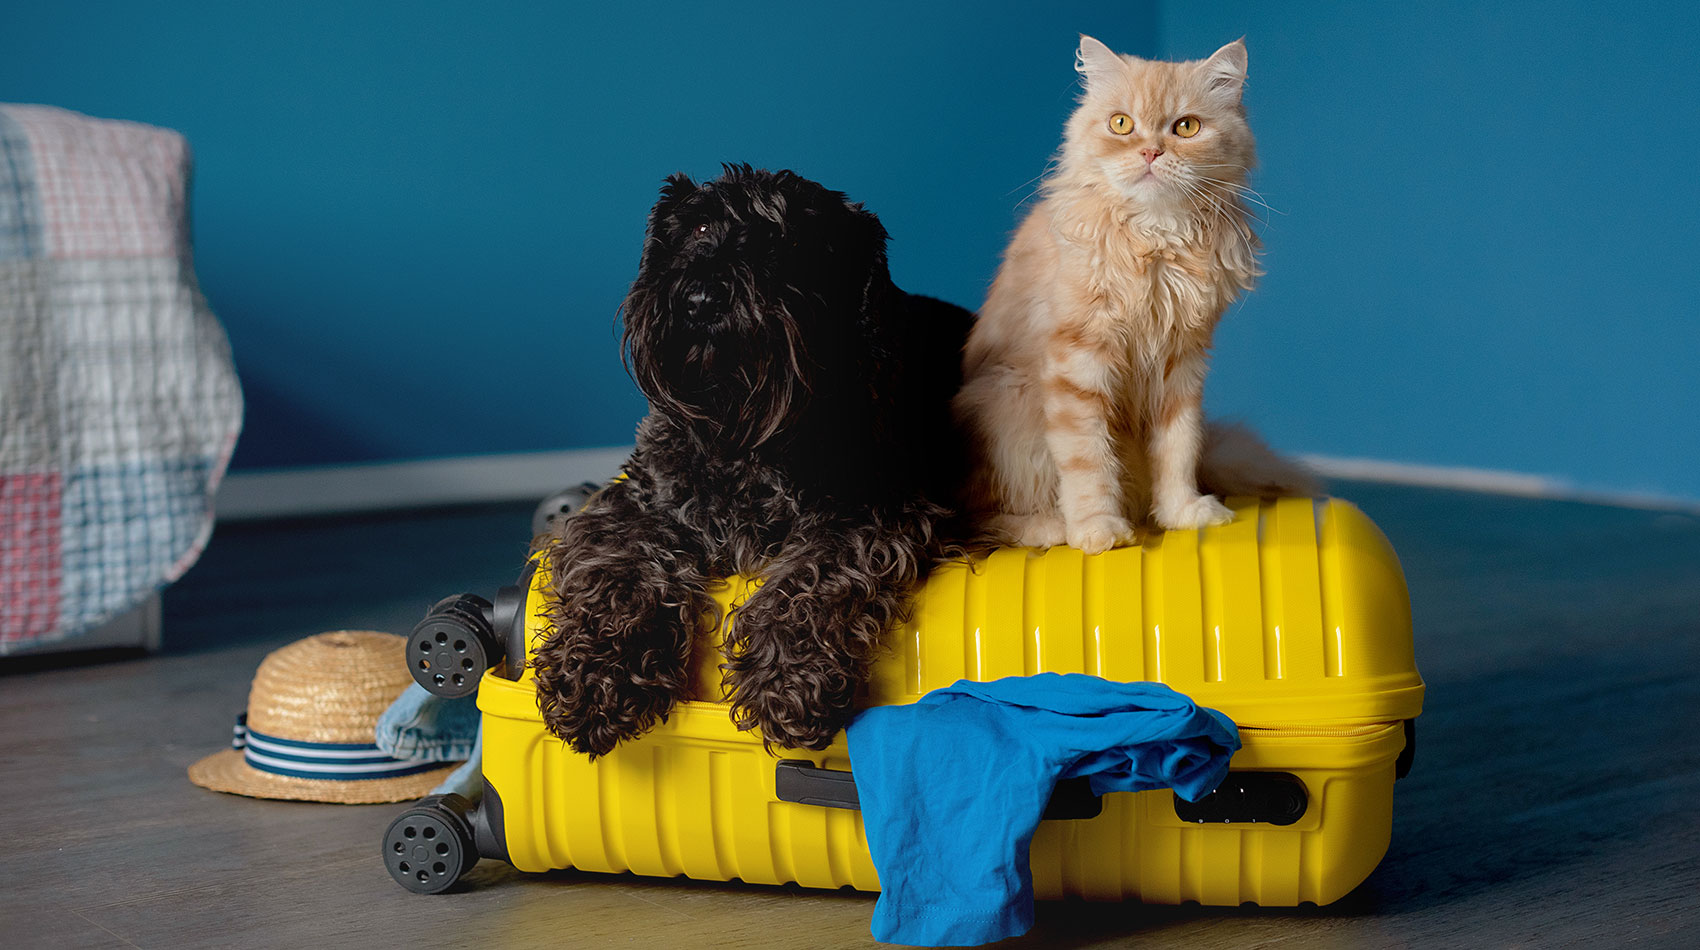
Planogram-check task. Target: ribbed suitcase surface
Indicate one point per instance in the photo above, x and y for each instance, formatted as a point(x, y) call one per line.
point(1294, 620)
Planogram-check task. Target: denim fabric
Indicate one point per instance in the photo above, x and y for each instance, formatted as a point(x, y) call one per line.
point(429, 728)
point(468, 780)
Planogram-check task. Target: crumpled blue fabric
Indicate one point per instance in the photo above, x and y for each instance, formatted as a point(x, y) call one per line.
point(952, 788)
point(420, 727)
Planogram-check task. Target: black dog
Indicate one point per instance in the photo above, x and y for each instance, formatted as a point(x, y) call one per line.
point(799, 431)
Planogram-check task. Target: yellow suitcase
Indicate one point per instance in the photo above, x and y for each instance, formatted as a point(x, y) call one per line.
point(1293, 620)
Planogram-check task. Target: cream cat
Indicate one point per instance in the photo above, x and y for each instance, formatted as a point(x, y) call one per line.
point(1085, 370)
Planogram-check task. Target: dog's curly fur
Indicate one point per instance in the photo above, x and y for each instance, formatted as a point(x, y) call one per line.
point(799, 431)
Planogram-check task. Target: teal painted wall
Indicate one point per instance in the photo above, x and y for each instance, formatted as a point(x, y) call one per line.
point(1486, 249)
point(417, 220)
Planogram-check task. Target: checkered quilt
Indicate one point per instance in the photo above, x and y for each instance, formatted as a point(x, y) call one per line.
point(119, 405)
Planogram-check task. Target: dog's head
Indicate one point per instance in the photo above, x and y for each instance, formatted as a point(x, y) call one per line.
point(755, 294)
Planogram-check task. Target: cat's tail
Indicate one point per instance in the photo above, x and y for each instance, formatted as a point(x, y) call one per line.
point(1236, 462)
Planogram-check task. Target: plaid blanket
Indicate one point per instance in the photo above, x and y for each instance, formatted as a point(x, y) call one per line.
point(119, 404)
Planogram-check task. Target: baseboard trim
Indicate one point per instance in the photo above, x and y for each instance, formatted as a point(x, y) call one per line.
point(424, 483)
point(1492, 482)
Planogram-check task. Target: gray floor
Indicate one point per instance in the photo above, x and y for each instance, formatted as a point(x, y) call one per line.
point(1553, 801)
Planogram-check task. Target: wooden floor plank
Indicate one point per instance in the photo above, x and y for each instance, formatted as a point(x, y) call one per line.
point(1552, 802)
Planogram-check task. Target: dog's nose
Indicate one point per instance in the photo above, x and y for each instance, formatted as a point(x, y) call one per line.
point(700, 300)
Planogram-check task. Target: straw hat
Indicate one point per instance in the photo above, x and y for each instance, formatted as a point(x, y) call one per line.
point(312, 713)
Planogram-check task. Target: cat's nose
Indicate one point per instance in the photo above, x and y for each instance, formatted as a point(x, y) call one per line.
point(1150, 154)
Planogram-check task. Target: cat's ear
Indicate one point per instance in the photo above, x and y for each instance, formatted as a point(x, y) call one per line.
point(1094, 59)
point(1225, 70)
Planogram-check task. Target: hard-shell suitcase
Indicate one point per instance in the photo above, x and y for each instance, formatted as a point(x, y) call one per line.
point(1293, 620)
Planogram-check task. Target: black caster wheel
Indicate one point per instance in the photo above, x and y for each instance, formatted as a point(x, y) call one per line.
point(561, 506)
point(454, 645)
point(1407, 756)
point(430, 845)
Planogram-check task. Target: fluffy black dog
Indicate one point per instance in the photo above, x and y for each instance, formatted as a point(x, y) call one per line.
point(799, 431)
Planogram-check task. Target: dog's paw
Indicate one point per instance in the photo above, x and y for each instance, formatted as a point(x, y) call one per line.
point(798, 708)
point(594, 726)
point(593, 702)
point(594, 735)
point(797, 735)
point(1196, 512)
point(783, 726)
point(1100, 533)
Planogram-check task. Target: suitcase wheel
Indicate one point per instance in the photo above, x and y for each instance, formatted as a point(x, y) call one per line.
point(429, 846)
point(454, 645)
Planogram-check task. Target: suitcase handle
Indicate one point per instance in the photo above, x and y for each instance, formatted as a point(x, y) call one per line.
point(804, 783)
point(1276, 798)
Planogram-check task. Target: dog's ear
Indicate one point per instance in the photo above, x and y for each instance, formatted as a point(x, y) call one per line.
point(674, 191)
point(873, 239)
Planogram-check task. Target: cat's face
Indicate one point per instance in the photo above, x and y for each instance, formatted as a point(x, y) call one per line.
point(1169, 137)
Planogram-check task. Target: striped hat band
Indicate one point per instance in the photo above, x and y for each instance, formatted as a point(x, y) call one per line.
point(322, 760)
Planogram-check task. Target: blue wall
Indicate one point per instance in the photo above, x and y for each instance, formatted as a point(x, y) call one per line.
point(1487, 251)
point(416, 220)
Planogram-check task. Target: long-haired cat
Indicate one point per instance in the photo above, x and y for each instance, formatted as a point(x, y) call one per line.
point(1085, 370)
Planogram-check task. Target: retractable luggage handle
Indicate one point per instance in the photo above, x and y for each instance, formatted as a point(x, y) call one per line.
point(807, 784)
point(1276, 798)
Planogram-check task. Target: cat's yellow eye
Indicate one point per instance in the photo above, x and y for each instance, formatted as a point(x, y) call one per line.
point(1186, 127)
point(1121, 123)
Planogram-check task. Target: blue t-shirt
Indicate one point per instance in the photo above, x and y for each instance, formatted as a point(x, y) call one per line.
point(952, 788)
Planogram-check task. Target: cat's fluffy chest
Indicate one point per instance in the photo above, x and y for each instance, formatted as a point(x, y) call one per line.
point(1146, 284)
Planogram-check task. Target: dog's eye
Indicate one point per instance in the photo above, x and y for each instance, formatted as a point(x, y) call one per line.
point(702, 229)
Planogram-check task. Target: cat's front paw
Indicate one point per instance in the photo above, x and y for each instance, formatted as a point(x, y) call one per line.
point(1030, 530)
point(1100, 533)
point(1196, 512)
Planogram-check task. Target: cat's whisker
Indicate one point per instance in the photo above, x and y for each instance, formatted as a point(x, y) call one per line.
point(1219, 204)
point(1195, 186)
point(1050, 166)
point(1264, 205)
point(1244, 192)
point(1237, 212)
point(1237, 186)
point(1200, 194)
point(1220, 165)
point(1255, 196)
